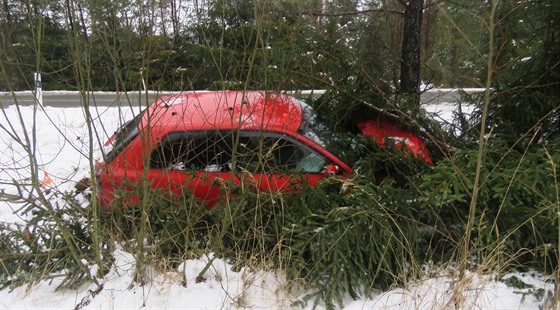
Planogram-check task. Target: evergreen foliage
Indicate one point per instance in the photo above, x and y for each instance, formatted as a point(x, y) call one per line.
point(526, 100)
point(339, 237)
point(30, 252)
point(515, 210)
point(176, 226)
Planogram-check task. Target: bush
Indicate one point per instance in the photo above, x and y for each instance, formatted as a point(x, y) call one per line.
point(516, 211)
point(159, 225)
point(38, 247)
point(339, 237)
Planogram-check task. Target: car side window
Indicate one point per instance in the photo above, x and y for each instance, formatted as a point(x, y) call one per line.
point(275, 153)
point(193, 151)
point(253, 152)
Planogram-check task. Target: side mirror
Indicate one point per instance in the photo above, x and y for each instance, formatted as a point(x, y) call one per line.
point(331, 170)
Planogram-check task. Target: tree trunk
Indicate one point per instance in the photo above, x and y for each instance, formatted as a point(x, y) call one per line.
point(410, 56)
point(6, 8)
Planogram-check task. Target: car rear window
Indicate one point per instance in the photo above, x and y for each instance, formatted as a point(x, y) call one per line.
point(123, 137)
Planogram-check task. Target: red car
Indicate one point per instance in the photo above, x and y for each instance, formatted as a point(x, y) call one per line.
point(193, 138)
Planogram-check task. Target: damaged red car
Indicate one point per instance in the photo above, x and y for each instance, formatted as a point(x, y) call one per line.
point(189, 140)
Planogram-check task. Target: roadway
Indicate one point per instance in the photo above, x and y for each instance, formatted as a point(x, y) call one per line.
point(75, 99)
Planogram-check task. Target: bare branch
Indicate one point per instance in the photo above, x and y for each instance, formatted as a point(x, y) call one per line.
point(403, 3)
point(349, 13)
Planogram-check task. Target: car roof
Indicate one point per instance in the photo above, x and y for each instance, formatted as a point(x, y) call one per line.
point(225, 110)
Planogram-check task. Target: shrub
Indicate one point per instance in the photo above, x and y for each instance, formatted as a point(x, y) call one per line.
point(36, 248)
point(516, 209)
point(339, 237)
point(160, 225)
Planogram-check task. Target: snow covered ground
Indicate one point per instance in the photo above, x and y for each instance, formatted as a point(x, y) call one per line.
point(61, 144)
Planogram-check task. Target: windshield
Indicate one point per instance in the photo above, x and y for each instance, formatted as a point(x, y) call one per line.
point(316, 130)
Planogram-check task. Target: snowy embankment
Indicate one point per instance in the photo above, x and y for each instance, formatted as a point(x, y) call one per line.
point(222, 288)
point(62, 148)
